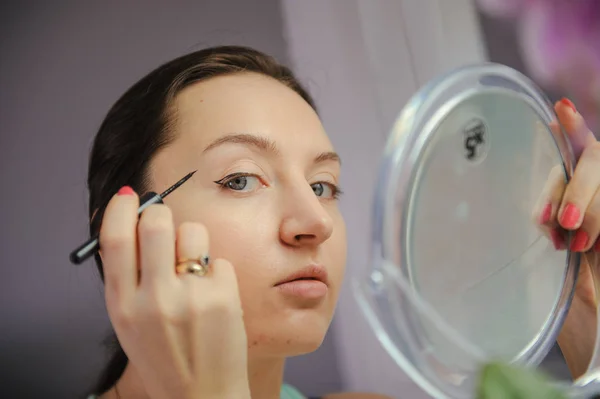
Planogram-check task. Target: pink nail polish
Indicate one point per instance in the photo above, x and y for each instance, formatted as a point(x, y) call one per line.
point(546, 214)
point(557, 239)
point(570, 217)
point(125, 190)
point(568, 103)
point(579, 241)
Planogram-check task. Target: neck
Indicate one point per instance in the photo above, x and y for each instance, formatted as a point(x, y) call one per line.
point(265, 375)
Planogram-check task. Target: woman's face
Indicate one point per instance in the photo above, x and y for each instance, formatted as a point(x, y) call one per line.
point(266, 191)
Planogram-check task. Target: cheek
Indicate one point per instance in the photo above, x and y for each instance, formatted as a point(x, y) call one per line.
point(237, 230)
point(338, 249)
point(251, 247)
point(248, 242)
point(243, 244)
point(242, 231)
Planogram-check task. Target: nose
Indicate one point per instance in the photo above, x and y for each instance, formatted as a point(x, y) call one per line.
point(306, 221)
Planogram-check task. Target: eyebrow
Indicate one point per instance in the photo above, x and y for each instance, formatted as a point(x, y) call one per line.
point(266, 145)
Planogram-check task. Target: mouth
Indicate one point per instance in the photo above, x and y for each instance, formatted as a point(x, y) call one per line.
point(307, 284)
point(310, 273)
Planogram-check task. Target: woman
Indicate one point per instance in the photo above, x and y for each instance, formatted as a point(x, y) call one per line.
point(265, 197)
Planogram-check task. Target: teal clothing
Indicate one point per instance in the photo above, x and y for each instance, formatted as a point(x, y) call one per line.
point(287, 392)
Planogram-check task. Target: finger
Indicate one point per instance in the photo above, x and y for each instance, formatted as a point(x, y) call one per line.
point(580, 136)
point(217, 299)
point(157, 247)
point(192, 243)
point(585, 181)
point(587, 235)
point(581, 189)
point(118, 245)
point(224, 276)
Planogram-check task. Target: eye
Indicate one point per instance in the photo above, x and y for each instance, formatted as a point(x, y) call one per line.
point(240, 182)
point(326, 190)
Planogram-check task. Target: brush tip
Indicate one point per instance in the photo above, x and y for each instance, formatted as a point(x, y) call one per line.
point(189, 175)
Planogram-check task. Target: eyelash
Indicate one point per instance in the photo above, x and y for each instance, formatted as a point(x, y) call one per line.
point(227, 179)
point(336, 191)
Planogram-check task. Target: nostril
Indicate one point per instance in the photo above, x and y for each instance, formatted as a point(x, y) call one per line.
point(301, 237)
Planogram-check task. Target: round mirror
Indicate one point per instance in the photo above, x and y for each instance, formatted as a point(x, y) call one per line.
point(461, 271)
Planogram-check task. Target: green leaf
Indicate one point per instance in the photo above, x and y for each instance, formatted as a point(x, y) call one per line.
point(504, 381)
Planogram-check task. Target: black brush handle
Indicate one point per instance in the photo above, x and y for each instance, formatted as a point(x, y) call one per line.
point(91, 246)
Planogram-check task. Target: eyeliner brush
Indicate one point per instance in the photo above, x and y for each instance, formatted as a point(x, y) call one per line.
point(91, 246)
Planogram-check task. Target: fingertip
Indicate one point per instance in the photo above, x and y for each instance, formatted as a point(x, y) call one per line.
point(570, 216)
point(567, 116)
point(120, 212)
point(223, 269)
point(221, 263)
point(125, 190)
point(568, 104)
point(572, 121)
point(118, 244)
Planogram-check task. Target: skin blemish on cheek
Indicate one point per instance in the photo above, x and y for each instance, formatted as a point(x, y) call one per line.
point(261, 339)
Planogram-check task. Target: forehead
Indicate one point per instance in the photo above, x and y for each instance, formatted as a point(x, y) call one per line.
point(249, 103)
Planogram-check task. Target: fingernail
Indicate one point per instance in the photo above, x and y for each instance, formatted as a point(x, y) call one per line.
point(546, 214)
point(569, 104)
point(125, 190)
point(570, 216)
point(580, 241)
point(557, 239)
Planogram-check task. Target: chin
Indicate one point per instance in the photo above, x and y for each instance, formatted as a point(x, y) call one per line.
point(300, 333)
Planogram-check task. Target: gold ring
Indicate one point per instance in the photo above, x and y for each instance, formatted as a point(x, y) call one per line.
point(192, 266)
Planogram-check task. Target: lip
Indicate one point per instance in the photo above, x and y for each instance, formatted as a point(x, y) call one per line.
point(308, 273)
point(311, 290)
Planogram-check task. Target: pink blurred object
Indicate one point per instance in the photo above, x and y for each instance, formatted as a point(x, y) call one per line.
point(560, 43)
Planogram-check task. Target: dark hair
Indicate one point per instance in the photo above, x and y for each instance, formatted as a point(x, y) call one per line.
point(140, 124)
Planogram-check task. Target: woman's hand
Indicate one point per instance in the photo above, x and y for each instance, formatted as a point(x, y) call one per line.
point(575, 207)
point(184, 334)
